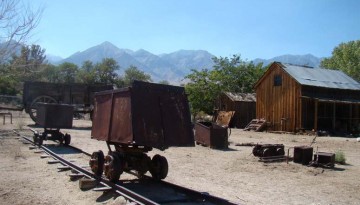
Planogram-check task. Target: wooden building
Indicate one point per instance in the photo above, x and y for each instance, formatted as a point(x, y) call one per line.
point(293, 98)
point(244, 105)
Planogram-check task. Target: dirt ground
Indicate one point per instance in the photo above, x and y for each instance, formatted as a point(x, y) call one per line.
point(234, 174)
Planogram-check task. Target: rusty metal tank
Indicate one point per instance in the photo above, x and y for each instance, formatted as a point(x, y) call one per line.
point(145, 114)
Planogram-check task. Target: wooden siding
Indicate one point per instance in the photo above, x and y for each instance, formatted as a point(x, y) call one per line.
point(244, 111)
point(279, 105)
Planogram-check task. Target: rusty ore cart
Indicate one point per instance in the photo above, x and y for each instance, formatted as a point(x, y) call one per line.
point(135, 120)
point(76, 94)
point(53, 117)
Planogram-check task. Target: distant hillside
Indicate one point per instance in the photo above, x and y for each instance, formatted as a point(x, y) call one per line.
point(308, 60)
point(171, 67)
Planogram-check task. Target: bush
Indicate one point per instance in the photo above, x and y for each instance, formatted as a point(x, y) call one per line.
point(340, 157)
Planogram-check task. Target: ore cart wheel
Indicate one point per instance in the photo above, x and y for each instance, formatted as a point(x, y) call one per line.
point(159, 167)
point(67, 139)
point(39, 99)
point(113, 167)
point(266, 152)
point(97, 162)
point(39, 140)
point(280, 151)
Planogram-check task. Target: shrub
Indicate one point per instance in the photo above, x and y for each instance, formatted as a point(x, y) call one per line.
point(340, 157)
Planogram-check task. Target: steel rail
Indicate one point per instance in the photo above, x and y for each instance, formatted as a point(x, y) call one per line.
point(128, 194)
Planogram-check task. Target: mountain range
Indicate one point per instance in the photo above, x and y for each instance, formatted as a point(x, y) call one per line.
point(172, 66)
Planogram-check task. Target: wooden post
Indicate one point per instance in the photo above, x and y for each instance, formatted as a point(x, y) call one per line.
point(334, 116)
point(351, 118)
point(316, 115)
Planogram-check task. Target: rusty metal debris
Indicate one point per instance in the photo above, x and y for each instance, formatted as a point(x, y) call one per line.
point(324, 159)
point(135, 120)
point(214, 134)
point(303, 154)
point(268, 150)
point(211, 134)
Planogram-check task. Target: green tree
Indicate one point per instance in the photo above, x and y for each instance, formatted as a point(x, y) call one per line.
point(29, 64)
point(8, 83)
point(51, 73)
point(105, 71)
point(67, 72)
point(345, 57)
point(202, 90)
point(133, 73)
point(236, 75)
point(231, 75)
point(87, 73)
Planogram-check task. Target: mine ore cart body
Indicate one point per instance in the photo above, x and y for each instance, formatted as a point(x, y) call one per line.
point(76, 94)
point(135, 120)
point(53, 117)
point(211, 134)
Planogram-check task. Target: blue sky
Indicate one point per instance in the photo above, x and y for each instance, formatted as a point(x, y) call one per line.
point(254, 29)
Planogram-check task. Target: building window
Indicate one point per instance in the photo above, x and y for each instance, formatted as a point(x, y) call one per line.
point(277, 80)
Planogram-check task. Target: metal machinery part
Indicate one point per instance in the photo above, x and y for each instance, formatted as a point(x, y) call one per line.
point(51, 134)
point(135, 120)
point(34, 105)
point(97, 162)
point(126, 158)
point(268, 150)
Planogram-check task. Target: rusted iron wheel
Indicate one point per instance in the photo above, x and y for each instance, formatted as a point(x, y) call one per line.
point(159, 167)
point(266, 152)
point(97, 162)
point(67, 139)
point(280, 151)
point(39, 99)
point(113, 167)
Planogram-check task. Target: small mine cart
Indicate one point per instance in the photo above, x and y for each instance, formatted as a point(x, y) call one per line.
point(53, 117)
point(214, 134)
point(134, 120)
point(211, 134)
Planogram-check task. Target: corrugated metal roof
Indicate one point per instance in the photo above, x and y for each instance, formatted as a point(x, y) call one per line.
point(243, 97)
point(321, 77)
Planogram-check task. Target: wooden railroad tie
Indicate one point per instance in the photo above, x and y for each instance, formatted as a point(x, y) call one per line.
point(86, 183)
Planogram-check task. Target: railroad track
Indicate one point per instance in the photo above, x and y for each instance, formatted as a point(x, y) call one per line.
point(140, 191)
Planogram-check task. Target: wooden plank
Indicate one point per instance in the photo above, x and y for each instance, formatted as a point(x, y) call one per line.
point(316, 115)
point(63, 168)
point(54, 161)
point(45, 156)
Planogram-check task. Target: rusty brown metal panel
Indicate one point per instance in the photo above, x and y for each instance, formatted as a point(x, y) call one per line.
point(146, 114)
point(161, 115)
point(211, 134)
point(58, 116)
point(101, 116)
point(121, 124)
point(202, 133)
point(325, 159)
point(303, 154)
